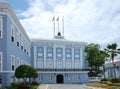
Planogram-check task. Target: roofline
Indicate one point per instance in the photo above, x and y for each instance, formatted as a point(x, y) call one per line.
point(14, 17)
point(58, 40)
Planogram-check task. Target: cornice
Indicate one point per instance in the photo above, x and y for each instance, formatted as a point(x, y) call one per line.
point(62, 41)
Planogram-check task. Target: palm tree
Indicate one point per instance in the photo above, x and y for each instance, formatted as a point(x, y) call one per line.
point(102, 57)
point(113, 51)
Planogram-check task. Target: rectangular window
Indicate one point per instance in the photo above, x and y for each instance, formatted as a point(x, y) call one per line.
point(59, 53)
point(77, 51)
point(12, 33)
point(77, 54)
point(0, 61)
point(40, 76)
point(68, 76)
point(59, 50)
point(50, 77)
point(68, 50)
point(12, 63)
point(1, 26)
point(22, 62)
point(18, 39)
point(22, 43)
point(78, 76)
point(49, 49)
point(17, 62)
point(49, 53)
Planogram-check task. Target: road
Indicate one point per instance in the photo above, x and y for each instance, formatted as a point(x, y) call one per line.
point(66, 86)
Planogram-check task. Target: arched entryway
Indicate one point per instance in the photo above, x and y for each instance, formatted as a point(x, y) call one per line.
point(59, 79)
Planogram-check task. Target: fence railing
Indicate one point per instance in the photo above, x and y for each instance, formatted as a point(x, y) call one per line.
point(39, 69)
point(94, 79)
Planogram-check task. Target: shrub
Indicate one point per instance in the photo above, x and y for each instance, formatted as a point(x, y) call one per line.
point(34, 83)
point(105, 79)
point(23, 87)
point(15, 84)
point(115, 80)
point(33, 87)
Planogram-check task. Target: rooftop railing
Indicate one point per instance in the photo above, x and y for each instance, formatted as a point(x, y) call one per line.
point(48, 69)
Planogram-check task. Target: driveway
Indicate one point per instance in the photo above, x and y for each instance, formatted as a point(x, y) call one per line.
point(65, 86)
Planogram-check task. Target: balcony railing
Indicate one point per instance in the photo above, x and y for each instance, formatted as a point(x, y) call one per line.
point(39, 69)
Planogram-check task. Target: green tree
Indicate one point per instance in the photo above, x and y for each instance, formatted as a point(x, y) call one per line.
point(102, 57)
point(92, 56)
point(112, 50)
point(25, 71)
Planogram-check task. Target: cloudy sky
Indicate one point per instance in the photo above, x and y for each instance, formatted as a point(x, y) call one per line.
point(92, 21)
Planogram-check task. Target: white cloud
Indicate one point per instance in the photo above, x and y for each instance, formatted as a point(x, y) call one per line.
point(85, 20)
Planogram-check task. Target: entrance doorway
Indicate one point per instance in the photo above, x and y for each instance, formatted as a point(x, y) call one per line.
point(59, 78)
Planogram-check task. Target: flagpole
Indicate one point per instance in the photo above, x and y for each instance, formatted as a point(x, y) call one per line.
point(58, 23)
point(63, 25)
point(54, 25)
point(53, 20)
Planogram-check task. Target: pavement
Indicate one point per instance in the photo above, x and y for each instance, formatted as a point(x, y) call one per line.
point(65, 86)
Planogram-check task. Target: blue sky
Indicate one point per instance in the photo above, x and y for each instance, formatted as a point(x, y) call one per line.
point(18, 4)
point(92, 21)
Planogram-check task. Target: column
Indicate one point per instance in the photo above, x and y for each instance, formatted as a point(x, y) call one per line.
point(45, 64)
point(54, 58)
point(35, 56)
point(64, 57)
point(73, 58)
point(81, 58)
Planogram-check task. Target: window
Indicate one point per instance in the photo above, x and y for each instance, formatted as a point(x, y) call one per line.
point(77, 54)
point(77, 51)
point(50, 77)
point(68, 53)
point(40, 76)
point(0, 61)
point(1, 27)
point(12, 33)
point(49, 53)
point(22, 43)
point(59, 50)
point(68, 76)
point(12, 63)
point(22, 62)
point(17, 62)
point(59, 53)
point(49, 49)
point(40, 49)
point(68, 50)
point(18, 39)
point(78, 76)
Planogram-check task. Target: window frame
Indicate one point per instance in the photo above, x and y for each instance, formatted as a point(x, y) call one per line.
point(12, 34)
point(12, 63)
point(1, 57)
point(1, 28)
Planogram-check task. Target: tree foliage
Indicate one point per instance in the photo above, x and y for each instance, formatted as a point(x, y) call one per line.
point(25, 71)
point(92, 55)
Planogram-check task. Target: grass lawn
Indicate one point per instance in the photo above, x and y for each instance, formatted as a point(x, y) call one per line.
point(13, 87)
point(106, 86)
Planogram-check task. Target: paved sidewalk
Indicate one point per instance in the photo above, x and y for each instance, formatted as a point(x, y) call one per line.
point(44, 87)
point(65, 86)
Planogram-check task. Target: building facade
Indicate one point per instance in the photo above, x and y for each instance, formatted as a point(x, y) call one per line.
point(109, 70)
point(59, 61)
point(56, 60)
